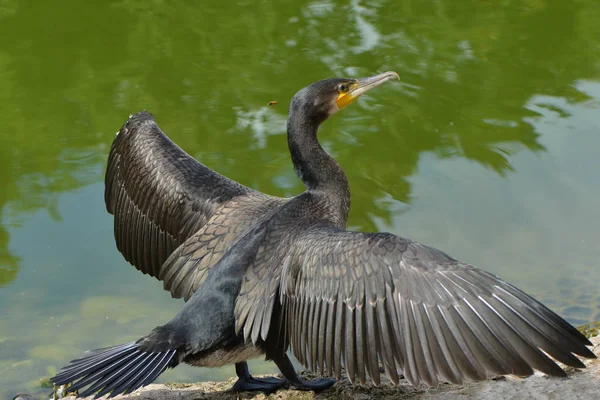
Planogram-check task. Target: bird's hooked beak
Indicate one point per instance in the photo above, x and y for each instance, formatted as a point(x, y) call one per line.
point(361, 86)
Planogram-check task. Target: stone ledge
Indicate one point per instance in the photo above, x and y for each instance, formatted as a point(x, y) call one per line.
point(581, 384)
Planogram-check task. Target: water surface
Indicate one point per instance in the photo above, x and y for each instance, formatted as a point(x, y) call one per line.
point(487, 150)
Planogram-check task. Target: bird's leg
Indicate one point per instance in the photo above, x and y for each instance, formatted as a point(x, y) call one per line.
point(247, 382)
point(287, 369)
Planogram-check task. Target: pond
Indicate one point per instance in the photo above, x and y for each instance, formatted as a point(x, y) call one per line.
point(487, 149)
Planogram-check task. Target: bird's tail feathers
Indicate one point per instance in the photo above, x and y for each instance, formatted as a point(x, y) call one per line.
point(116, 370)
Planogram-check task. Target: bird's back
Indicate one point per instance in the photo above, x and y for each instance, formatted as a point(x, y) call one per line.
point(185, 270)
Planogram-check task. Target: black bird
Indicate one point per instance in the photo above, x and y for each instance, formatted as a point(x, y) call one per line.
point(262, 274)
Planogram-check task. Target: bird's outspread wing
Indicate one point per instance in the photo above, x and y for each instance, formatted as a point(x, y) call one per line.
point(363, 300)
point(159, 194)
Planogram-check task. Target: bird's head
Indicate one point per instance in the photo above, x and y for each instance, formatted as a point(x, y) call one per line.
point(324, 98)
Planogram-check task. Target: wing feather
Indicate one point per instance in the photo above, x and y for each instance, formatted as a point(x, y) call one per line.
point(329, 344)
point(338, 348)
point(319, 335)
point(349, 352)
point(387, 346)
point(371, 340)
point(311, 333)
point(359, 334)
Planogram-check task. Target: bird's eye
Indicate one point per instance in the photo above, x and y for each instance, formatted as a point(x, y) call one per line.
point(343, 88)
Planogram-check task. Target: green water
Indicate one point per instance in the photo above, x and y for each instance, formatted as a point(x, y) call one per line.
point(488, 149)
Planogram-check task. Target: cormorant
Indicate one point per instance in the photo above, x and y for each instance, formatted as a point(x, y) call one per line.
point(262, 274)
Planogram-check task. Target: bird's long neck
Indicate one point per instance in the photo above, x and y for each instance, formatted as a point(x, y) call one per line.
point(319, 172)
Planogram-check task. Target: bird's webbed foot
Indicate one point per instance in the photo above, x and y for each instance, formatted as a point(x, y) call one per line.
point(248, 383)
point(316, 385)
point(265, 385)
point(287, 369)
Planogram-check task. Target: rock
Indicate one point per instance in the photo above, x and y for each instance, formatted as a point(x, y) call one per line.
point(581, 384)
point(590, 330)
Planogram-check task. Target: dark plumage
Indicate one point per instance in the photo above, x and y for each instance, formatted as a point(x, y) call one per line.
point(263, 274)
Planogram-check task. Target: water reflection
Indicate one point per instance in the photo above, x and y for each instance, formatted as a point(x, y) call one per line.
point(475, 84)
point(467, 81)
